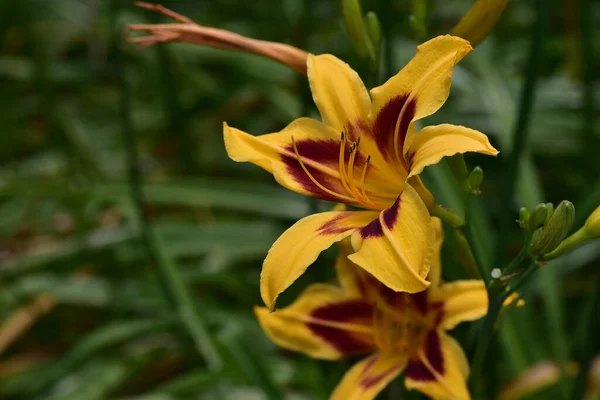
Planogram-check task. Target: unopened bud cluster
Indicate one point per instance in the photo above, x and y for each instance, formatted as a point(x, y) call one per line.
point(548, 226)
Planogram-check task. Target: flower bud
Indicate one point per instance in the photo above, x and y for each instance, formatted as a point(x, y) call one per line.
point(480, 20)
point(556, 229)
point(590, 230)
point(592, 224)
point(374, 29)
point(538, 216)
point(476, 179)
point(357, 30)
point(550, 212)
point(524, 218)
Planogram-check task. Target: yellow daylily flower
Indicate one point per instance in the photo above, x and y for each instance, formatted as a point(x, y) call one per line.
point(365, 153)
point(479, 21)
point(397, 331)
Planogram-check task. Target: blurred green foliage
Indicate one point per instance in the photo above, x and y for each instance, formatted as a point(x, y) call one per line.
point(72, 89)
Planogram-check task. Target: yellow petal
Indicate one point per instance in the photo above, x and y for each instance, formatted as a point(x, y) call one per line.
point(421, 87)
point(319, 149)
point(369, 377)
point(444, 377)
point(324, 322)
point(338, 91)
point(398, 246)
point(479, 21)
point(300, 245)
point(462, 301)
point(426, 196)
point(433, 143)
point(348, 273)
point(435, 273)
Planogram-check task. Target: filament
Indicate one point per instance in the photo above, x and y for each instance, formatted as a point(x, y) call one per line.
point(323, 188)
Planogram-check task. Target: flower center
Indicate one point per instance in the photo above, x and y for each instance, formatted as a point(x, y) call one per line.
point(402, 323)
point(353, 186)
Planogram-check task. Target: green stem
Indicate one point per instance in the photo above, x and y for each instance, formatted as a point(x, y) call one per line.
point(522, 279)
point(448, 217)
point(466, 255)
point(170, 280)
point(485, 338)
point(518, 260)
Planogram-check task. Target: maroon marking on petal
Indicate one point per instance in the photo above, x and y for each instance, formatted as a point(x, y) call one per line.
point(433, 352)
point(321, 151)
point(371, 380)
point(390, 215)
point(420, 301)
point(416, 370)
point(372, 230)
point(356, 129)
point(325, 152)
point(409, 114)
point(332, 227)
point(437, 308)
point(348, 311)
point(385, 124)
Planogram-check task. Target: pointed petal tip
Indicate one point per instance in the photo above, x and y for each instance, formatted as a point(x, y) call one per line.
point(267, 296)
point(465, 44)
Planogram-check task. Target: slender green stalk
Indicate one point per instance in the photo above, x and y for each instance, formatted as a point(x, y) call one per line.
point(170, 280)
point(522, 131)
point(466, 255)
point(518, 260)
point(485, 338)
point(470, 259)
point(448, 217)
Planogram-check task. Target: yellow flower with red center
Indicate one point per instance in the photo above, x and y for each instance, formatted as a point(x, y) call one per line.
point(399, 331)
point(366, 153)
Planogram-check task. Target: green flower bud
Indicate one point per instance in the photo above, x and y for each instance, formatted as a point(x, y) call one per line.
point(524, 218)
point(590, 230)
point(475, 179)
point(550, 212)
point(592, 224)
point(374, 30)
point(556, 229)
point(357, 30)
point(538, 216)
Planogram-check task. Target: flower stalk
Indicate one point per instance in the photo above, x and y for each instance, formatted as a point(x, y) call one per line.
point(186, 30)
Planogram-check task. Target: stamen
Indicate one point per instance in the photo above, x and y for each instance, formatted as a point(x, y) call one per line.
point(323, 188)
point(342, 162)
point(362, 178)
point(350, 174)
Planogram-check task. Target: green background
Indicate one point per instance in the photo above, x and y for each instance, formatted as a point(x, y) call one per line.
point(76, 99)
